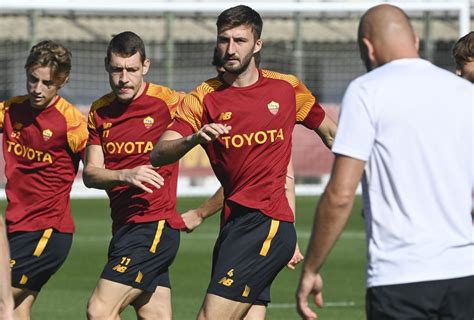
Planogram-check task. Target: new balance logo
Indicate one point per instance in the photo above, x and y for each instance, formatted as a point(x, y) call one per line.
point(227, 281)
point(225, 116)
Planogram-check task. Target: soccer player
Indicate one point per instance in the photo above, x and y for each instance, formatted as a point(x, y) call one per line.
point(43, 137)
point(244, 120)
point(6, 298)
point(417, 183)
point(463, 53)
point(123, 126)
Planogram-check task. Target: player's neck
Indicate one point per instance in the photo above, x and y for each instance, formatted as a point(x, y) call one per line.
point(245, 79)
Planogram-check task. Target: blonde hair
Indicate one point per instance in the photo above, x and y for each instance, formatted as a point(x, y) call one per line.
point(51, 54)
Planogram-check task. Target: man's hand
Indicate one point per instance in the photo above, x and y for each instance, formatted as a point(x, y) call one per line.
point(310, 284)
point(192, 219)
point(297, 258)
point(210, 132)
point(142, 174)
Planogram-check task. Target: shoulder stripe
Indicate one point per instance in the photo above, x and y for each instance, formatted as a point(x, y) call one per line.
point(291, 79)
point(191, 109)
point(304, 98)
point(5, 105)
point(170, 97)
point(77, 133)
point(102, 102)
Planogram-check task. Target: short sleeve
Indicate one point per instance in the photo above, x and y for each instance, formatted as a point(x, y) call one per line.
point(355, 134)
point(3, 108)
point(77, 133)
point(94, 137)
point(308, 111)
point(188, 116)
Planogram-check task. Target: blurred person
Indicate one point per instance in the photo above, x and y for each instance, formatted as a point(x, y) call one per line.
point(124, 125)
point(463, 53)
point(43, 138)
point(6, 297)
point(417, 182)
point(244, 120)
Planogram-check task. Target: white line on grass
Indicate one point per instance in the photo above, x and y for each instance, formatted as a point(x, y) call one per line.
point(330, 304)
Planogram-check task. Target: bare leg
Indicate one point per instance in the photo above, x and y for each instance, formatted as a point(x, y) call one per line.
point(218, 308)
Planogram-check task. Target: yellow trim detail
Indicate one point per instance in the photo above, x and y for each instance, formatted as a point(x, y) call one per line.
point(24, 279)
point(271, 235)
point(159, 231)
point(139, 277)
point(43, 242)
point(246, 291)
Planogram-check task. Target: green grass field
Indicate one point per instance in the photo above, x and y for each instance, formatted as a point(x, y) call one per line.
point(65, 295)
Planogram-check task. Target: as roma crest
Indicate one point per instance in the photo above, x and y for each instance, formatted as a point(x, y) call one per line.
point(47, 134)
point(273, 107)
point(148, 122)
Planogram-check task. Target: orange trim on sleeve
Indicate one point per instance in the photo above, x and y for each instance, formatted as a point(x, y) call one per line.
point(5, 105)
point(304, 98)
point(191, 109)
point(77, 133)
point(3, 109)
point(170, 97)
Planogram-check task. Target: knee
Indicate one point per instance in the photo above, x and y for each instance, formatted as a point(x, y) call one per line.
point(97, 310)
point(148, 314)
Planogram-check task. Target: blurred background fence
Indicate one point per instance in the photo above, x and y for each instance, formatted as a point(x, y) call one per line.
point(315, 40)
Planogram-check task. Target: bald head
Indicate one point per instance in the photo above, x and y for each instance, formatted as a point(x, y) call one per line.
point(385, 34)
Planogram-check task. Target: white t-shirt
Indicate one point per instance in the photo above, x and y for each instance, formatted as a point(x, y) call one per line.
point(413, 124)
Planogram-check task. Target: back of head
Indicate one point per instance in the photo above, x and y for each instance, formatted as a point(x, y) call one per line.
point(463, 50)
point(240, 15)
point(387, 29)
point(53, 55)
point(126, 44)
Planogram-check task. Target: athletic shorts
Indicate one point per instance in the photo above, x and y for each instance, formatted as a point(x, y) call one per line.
point(250, 251)
point(451, 299)
point(36, 256)
point(140, 254)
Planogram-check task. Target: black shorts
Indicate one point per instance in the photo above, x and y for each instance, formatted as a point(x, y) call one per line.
point(140, 254)
point(36, 256)
point(451, 299)
point(250, 251)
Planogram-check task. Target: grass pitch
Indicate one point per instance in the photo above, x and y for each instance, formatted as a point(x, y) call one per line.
point(65, 295)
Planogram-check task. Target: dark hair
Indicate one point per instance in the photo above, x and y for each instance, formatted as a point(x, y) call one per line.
point(463, 50)
point(126, 44)
point(51, 54)
point(240, 15)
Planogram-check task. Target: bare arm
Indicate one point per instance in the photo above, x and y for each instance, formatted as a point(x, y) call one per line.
point(331, 216)
point(172, 146)
point(6, 296)
point(291, 196)
point(95, 175)
point(193, 218)
point(327, 131)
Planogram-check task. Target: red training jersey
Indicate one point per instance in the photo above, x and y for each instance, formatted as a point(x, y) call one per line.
point(251, 162)
point(42, 149)
point(127, 134)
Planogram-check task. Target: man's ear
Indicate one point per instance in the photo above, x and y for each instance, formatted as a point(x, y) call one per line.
point(370, 50)
point(146, 66)
point(417, 43)
point(258, 46)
